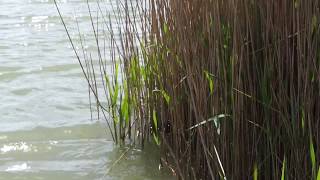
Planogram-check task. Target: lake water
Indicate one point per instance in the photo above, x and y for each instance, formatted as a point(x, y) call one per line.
point(45, 126)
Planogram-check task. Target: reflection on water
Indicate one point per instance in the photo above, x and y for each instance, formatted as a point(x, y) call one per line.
point(46, 131)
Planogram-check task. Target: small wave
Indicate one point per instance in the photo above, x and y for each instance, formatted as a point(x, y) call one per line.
point(21, 146)
point(18, 167)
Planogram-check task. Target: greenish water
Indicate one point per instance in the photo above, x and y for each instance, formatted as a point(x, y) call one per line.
point(46, 131)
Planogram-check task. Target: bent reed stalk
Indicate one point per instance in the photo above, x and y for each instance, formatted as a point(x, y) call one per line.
point(228, 89)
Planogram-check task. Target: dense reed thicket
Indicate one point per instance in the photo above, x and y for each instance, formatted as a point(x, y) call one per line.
point(228, 89)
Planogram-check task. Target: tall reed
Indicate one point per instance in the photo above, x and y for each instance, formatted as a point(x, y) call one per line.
point(228, 89)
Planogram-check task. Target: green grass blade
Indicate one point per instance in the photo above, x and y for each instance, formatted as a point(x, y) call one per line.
point(312, 155)
point(108, 85)
point(302, 121)
point(210, 81)
point(115, 95)
point(255, 172)
point(116, 72)
point(156, 139)
point(165, 96)
point(155, 120)
point(125, 108)
point(165, 28)
point(283, 171)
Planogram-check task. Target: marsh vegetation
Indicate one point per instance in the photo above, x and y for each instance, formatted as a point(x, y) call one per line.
point(226, 89)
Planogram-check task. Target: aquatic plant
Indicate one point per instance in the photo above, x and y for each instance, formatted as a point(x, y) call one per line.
point(228, 89)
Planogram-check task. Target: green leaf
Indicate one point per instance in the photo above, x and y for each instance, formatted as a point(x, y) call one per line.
point(143, 73)
point(318, 175)
point(312, 77)
point(125, 108)
point(312, 155)
point(155, 131)
point(314, 23)
point(156, 139)
point(108, 84)
point(255, 172)
point(115, 116)
point(165, 96)
point(109, 89)
point(165, 28)
point(155, 121)
point(210, 81)
point(116, 72)
point(115, 95)
point(296, 4)
point(283, 168)
point(116, 119)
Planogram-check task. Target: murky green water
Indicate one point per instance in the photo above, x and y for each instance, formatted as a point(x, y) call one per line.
point(45, 126)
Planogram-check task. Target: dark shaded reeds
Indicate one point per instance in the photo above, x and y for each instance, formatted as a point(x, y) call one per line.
point(228, 89)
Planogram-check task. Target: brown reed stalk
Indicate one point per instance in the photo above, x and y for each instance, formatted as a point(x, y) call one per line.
point(228, 89)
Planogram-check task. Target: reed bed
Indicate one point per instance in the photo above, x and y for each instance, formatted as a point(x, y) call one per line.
point(228, 89)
